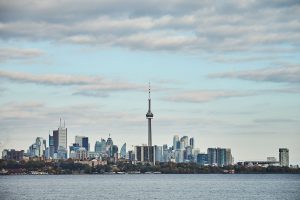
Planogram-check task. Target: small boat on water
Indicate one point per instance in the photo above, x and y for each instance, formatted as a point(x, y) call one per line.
point(3, 172)
point(156, 172)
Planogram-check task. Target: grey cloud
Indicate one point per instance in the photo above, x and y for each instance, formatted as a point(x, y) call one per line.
point(73, 10)
point(151, 25)
point(290, 74)
point(17, 53)
point(275, 121)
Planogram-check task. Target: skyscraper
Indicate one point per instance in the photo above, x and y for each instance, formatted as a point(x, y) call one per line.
point(51, 146)
point(284, 157)
point(60, 140)
point(109, 147)
point(149, 116)
point(219, 156)
point(83, 141)
point(202, 159)
point(175, 140)
point(123, 151)
point(212, 156)
point(100, 146)
point(145, 154)
point(185, 140)
point(38, 148)
point(192, 142)
point(158, 153)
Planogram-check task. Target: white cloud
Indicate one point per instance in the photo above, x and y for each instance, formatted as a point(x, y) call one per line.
point(96, 86)
point(199, 96)
point(17, 53)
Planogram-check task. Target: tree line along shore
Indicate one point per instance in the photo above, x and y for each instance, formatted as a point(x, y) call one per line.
point(72, 167)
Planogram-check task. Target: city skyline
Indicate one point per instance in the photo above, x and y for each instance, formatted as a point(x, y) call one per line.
point(226, 74)
point(80, 148)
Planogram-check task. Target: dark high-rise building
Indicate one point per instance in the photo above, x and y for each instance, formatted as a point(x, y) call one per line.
point(85, 143)
point(212, 156)
point(138, 153)
point(51, 146)
point(192, 142)
point(149, 116)
point(55, 140)
point(145, 154)
point(284, 157)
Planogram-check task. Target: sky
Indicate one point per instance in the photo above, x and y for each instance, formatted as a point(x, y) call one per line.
point(227, 73)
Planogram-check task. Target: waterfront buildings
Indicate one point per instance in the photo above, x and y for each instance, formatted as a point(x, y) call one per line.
point(12, 154)
point(145, 154)
point(284, 157)
point(219, 156)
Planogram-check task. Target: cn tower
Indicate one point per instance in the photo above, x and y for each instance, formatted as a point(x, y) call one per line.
point(149, 116)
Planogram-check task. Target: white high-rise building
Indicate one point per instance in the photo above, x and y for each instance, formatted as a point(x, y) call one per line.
point(60, 141)
point(175, 140)
point(185, 140)
point(158, 153)
point(62, 137)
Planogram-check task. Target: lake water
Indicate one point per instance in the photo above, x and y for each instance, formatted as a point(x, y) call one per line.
point(151, 186)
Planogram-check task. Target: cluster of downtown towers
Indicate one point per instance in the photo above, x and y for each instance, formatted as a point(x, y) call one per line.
point(182, 149)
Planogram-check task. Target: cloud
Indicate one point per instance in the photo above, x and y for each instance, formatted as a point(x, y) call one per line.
point(16, 53)
point(154, 25)
point(289, 74)
point(275, 121)
point(91, 93)
point(2, 90)
point(199, 96)
point(50, 79)
point(14, 110)
point(84, 85)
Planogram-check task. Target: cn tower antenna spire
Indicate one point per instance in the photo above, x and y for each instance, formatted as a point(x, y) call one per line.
point(149, 90)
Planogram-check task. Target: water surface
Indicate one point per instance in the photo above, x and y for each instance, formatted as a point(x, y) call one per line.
point(151, 186)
